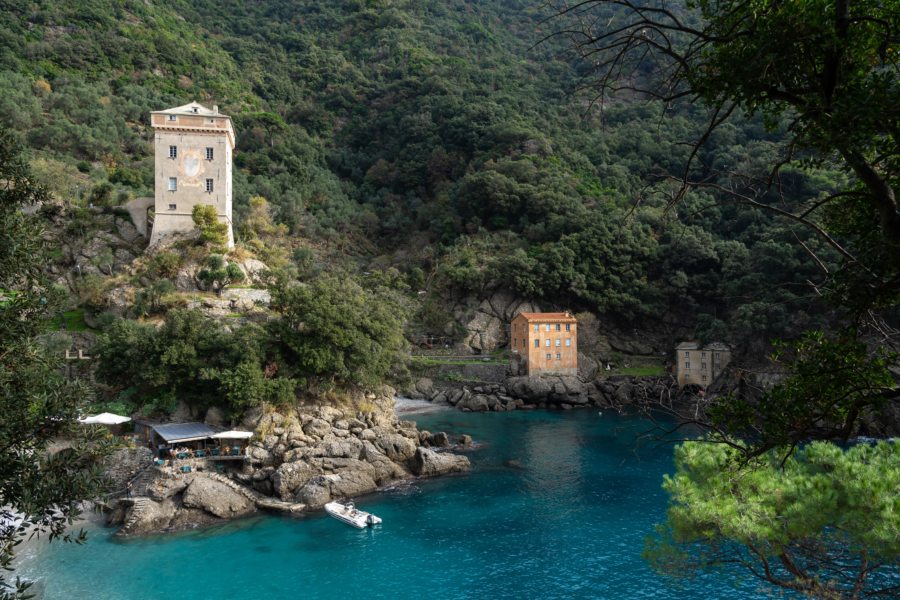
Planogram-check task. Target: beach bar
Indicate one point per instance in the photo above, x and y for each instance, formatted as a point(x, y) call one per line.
point(186, 441)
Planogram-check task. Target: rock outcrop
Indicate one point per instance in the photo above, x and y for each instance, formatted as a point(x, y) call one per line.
point(299, 460)
point(217, 499)
point(427, 463)
point(487, 322)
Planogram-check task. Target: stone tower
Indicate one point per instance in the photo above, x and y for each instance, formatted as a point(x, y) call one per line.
point(194, 146)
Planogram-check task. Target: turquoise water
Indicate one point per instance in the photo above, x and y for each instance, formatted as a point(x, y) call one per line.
point(567, 518)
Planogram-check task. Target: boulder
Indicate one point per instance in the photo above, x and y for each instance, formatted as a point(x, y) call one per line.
point(127, 231)
point(217, 499)
point(439, 439)
point(587, 367)
point(531, 389)
point(186, 278)
point(290, 477)
point(384, 470)
point(345, 448)
point(329, 414)
point(476, 403)
point(425, 387)
point(352, 483)
point(396, 447)
point(254, 269)
point(317, 428)
point(316, 493)
point(428, 463)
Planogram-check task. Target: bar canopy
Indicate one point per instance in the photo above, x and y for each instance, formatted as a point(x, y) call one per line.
point(183, 432)
point(233, 435)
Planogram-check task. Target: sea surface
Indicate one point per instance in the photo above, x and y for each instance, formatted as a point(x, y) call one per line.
point(557, 506)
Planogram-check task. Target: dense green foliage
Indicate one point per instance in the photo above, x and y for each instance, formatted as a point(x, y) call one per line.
point(191, 358)
point(39, 492)
point(428, 135)
point(207, 221)
point(830, 383)
point(335, 330)
point(330, 331)
point(825, 523)
point(820, 520)
point(216, 274)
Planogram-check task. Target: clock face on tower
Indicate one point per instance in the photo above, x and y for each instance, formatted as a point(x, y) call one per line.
point(190, 167)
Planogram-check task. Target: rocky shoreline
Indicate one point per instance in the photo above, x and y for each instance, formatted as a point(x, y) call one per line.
point(555, 391)
point(298, 461)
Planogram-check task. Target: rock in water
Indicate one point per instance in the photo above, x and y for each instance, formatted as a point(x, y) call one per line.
point(427, 463)
point(217, 498)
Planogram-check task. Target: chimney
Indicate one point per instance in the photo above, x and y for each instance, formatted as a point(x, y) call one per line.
point(216, 108)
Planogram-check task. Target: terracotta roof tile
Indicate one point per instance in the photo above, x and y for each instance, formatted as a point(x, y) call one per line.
point(548, 316)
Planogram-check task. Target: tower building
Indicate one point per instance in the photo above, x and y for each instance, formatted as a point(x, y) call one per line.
point(194, 146)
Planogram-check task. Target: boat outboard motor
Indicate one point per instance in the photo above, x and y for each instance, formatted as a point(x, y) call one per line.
point(370, 520)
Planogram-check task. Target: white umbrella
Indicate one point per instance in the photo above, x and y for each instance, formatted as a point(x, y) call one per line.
point(233, 435)
point(104, 419)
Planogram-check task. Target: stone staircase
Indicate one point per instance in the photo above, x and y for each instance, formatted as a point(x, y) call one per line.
point(138, 504)
point(260, 500)
point(141, 481)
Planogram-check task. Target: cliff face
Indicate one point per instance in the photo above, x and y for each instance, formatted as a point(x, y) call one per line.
point(299, 460)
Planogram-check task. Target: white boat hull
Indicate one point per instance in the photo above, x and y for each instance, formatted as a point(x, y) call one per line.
point(351, 515)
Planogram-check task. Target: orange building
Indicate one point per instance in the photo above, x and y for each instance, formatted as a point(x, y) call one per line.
point(546, 342)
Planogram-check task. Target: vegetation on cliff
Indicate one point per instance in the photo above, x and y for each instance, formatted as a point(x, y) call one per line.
point(40, 492)
point(815, 517)
point(432, 137)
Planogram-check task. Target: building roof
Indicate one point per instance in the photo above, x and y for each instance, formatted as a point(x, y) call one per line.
point(717, 346)
point(194, 108)
point(183, 432)
point(548, 316)
point(696, 346)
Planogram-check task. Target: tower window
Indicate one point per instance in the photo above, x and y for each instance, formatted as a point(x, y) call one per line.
point(173, 118)
point(209, 186)
point(173, 184)
point(194, 109)
point(568, 342)
point(548, 343)
point(537, 343)
point(171, 207)
point(549, 356)
point(209, 154)
point(173, 151)
point(568, 327)
point(558, 356)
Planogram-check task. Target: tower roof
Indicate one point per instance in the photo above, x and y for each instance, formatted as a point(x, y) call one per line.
point(194, 108)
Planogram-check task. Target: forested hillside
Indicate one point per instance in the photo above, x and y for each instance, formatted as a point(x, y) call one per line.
point(436, 137)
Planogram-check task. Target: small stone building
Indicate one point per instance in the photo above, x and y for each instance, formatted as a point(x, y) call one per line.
point(545, 342)
point(700, 365)
point(194, 147)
